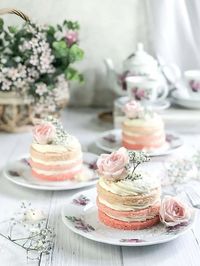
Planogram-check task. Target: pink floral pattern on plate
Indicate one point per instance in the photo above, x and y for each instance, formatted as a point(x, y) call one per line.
point(81, 200)
point(80, 224)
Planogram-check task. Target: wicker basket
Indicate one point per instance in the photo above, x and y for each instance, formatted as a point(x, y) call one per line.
point(16, 113)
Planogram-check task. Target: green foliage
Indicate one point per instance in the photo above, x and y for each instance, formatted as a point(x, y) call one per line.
point(61, 49)
point(63, 52)
point(71, 25)
point(12, 29)
point(1, 24)
point(75, 53)
point(73, 74)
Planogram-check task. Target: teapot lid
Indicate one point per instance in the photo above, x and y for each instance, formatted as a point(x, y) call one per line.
point(141, 57)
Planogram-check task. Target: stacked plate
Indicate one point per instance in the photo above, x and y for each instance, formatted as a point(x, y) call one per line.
point(184, 100)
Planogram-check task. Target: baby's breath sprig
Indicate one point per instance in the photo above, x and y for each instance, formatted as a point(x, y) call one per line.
point(28, 229)
point(61, 134)
point(135, 159)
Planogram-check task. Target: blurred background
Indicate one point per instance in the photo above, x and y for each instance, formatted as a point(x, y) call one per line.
point(166, 28)
point(167, 33)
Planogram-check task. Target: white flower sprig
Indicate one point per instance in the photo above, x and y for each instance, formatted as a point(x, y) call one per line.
point(135, 159)
point(61, 135)
point(36, 237)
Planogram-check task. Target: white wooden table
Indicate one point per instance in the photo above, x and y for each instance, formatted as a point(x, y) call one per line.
point(69, 248)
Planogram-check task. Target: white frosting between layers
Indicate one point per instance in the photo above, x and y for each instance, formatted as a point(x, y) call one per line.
point(152, 122)
point(57, 162)
point(121, 207)
point(126, 187)
point(140, 218)
point(71, 145)
point(131, 133)
point(57, 172)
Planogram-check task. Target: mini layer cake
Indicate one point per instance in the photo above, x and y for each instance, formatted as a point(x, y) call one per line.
point(127, 199)
point(55, 155)
point(142, 129)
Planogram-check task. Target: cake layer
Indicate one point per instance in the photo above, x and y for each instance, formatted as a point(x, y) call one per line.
point(148, 123)
point(124, 225)
point(142, 214)
point(54, 165)
point(143, 139)
point(56, 176)
point(142, 130)
point(55, 172)
point(121, 207)
point(138, 200)
point(55, 156)
point(143, 134)
point(135, 146)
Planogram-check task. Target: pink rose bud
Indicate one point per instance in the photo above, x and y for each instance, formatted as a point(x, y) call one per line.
point(173, 211)
point(112, 166)
point(132, 109)
point(44, 133)
point(71, 37)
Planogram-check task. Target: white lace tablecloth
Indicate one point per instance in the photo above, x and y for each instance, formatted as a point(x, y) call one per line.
point(70, 249)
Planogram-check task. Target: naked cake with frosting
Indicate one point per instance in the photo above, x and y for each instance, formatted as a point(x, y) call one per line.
point(142, 129)
point(55, 155)
point(127, 198)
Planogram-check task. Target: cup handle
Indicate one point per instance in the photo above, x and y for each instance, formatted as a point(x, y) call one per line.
point(164, 93)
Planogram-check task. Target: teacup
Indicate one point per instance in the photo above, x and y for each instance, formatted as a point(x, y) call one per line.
point(193, 81)
point(144, 89)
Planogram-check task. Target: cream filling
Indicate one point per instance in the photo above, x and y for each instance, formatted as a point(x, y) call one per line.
point(151, 122)
point(132, 133)
point(57, 172)
point(120, 207)
point(126, 187)
point(54, 148)
point(67, 162)
point(140, 218)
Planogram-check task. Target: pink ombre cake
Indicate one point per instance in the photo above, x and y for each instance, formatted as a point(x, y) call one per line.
point(55, 155)
point(127, 198)
point(142, 129)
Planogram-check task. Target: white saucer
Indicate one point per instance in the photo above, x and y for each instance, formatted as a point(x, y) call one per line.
point(19, 172)
point(184, 100)
point(80, 215)
point(110, 141)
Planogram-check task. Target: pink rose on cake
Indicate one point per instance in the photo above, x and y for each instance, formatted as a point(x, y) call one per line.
point(133, 109)
point(174, 212)
point(44, 133)
point(113, 166)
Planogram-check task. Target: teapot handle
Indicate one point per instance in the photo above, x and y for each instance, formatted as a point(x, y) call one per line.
point(172, 73)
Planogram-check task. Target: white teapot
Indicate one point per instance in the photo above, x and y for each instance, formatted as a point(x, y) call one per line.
point(140, 64)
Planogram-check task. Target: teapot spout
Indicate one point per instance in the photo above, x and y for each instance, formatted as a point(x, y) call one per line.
point(114, 78)
point(109, 65)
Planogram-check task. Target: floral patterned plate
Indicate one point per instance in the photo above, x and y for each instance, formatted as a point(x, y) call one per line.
point(19, 172)
point(110, 141)
point(79, 214)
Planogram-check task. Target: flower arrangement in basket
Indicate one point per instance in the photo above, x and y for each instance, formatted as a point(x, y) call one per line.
point(35, 69)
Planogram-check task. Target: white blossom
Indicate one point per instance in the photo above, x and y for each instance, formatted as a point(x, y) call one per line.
point(6, 85)
point(41, 88)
